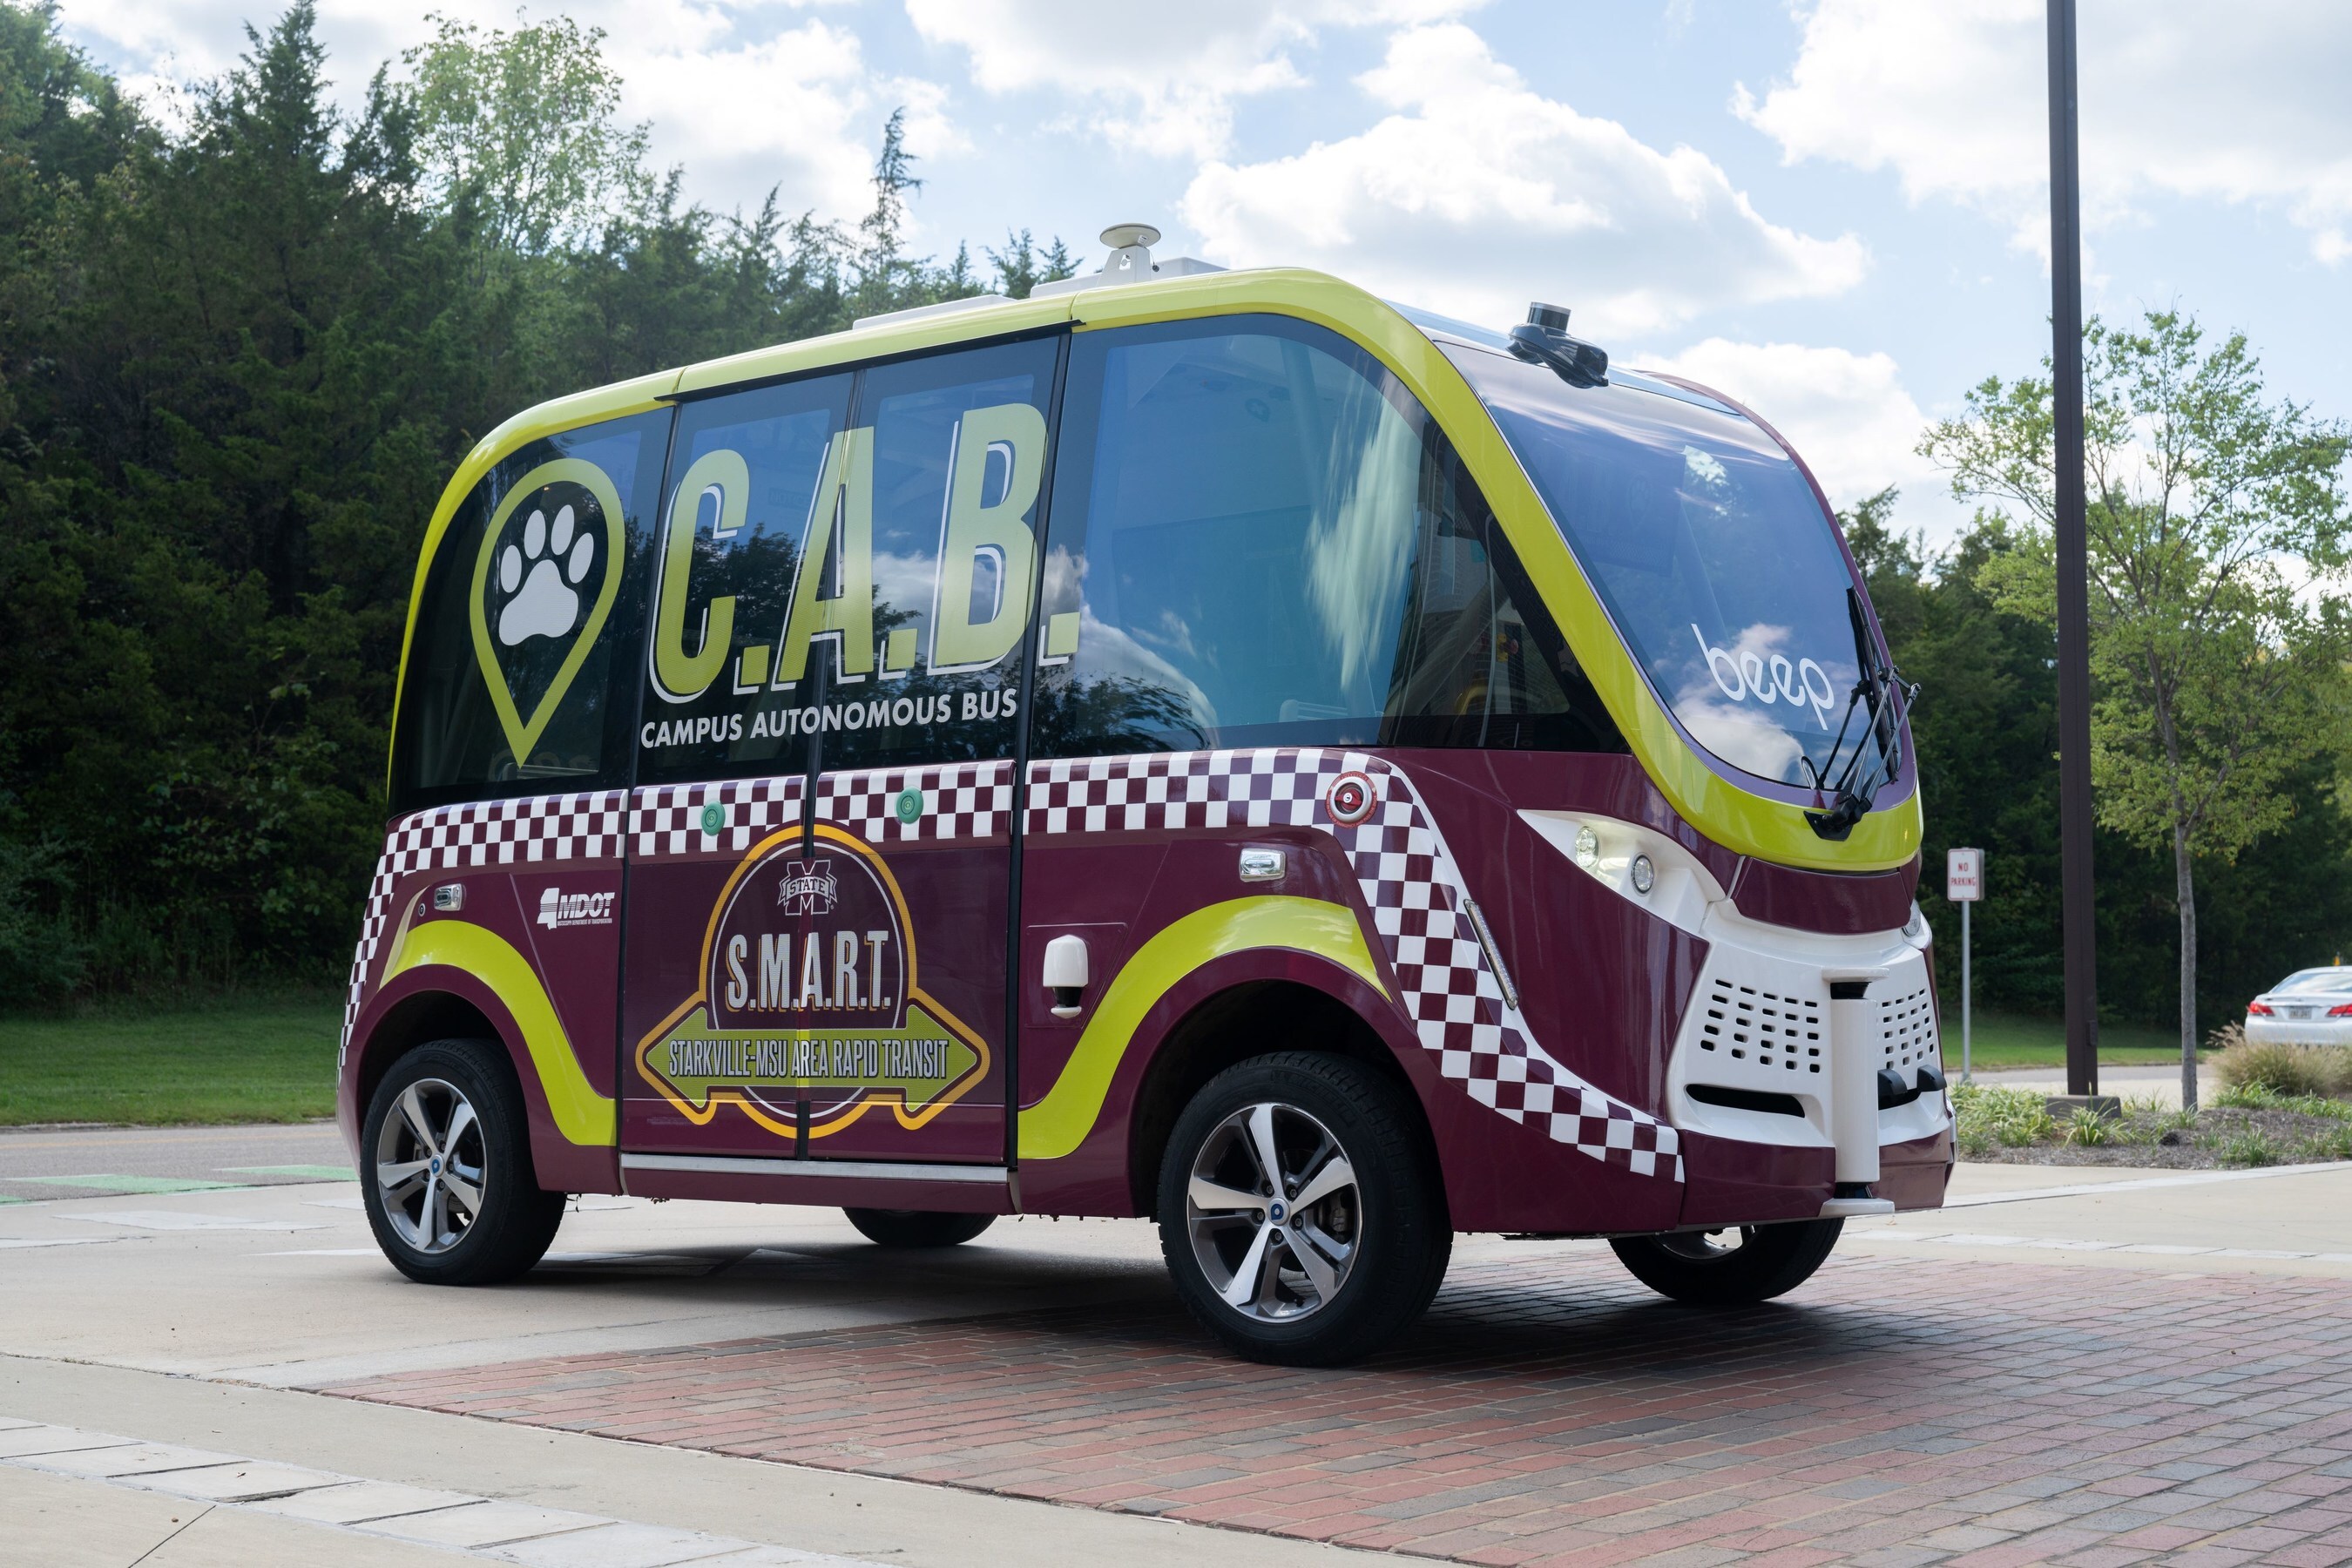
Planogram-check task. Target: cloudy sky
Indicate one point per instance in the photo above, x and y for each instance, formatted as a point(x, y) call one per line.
point(1832, 210)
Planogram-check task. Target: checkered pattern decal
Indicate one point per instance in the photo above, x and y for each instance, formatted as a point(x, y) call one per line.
point(665, 823)
point(964, 801)
point(535, 830)
point(1416, 893)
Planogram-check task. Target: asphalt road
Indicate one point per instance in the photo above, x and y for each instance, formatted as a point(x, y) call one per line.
point(41, 1163)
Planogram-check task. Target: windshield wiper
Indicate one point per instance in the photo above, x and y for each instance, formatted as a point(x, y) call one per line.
point(1882, 693)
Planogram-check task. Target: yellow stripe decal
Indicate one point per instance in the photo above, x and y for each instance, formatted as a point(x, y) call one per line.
point(582, 1115)
point(1057, 1125)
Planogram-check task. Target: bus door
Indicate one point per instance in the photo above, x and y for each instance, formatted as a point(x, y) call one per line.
point(821, 866)
point(709, 962)
point(914, 749)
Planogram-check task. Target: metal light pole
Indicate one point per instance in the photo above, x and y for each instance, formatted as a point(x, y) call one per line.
point(2074, 607)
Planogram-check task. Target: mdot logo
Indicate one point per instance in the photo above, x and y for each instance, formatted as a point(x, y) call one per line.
point(558, 908)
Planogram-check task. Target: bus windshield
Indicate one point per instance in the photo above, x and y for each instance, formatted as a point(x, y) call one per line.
point(1712, 555)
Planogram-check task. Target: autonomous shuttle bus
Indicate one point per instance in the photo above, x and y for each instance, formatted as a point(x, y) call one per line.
point(1206, 745)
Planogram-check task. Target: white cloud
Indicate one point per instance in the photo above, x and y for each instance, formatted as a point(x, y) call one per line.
point(1161, 79)
point(1479, 194)
point(1848, 415)
point(2243, 105)
point(739, 98)
point(799, 110)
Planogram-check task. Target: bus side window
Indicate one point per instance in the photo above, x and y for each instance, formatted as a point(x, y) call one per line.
point(851, 579)
point(956, 470)
point(745, 468)
point(510, 683)
point(1481, 662)
point(1260, 539)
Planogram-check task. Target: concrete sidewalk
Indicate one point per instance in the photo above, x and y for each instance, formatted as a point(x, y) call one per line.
point(2161, 1084)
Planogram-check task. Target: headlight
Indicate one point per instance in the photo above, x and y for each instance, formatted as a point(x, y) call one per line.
point(1588, 849)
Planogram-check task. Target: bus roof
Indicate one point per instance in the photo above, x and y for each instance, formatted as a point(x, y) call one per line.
point(1196, 290)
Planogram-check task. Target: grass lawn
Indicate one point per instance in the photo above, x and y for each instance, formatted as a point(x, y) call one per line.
point(2022, 1040)
point(273, 1059)
point(255, 1059)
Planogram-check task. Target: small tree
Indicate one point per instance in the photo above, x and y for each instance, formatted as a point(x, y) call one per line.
point(2217, 530)
point(525, 127)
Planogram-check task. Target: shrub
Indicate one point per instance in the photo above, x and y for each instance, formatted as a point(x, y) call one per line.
point(2284, 1070)
point(42, 958)
point(2014, 1117)
point(2251, 1147)
point(2087, 1128)
point(2335, 1143)
point(2254, 1097)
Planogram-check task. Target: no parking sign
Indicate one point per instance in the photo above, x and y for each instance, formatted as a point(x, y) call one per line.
point(1964, 875)
point(1964, 885)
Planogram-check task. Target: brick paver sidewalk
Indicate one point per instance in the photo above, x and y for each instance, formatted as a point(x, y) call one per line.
point(1549, 1410)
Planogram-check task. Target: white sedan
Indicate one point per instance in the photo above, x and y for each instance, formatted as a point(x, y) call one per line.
point(2309, 1007)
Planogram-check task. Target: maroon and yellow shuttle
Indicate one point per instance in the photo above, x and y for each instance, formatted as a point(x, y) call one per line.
point(1206, 745)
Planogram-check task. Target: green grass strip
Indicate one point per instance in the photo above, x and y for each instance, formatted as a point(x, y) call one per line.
point(315, 1173)
point(108, 1184)
point(252, 1059)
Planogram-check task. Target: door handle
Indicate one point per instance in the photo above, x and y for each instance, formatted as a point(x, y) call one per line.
point(1065, 974)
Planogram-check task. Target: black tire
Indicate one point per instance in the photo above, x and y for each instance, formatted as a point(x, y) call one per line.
point(509, 1229)
point(1735, 1267)
point(918, 1227)
point(1380, 1242)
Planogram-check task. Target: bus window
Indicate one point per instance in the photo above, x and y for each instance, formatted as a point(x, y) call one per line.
point(744, 473)
point(509, 684)
point(1261, 539)
point(957, 471)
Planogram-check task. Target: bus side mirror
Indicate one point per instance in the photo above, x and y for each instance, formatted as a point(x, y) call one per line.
point(1065, 973)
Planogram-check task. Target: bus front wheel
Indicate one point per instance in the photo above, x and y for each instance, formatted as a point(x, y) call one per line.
point(1300, 1211)
point(1733, 1266)
point(445, 1174)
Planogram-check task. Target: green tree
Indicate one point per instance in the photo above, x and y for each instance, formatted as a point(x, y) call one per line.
point(2216, 524)
point(1020, 265)
point(524, 126)
point(239, 357)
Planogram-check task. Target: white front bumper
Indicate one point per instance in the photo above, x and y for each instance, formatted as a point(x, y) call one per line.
point(1760, 1022)
point(1758, 1025)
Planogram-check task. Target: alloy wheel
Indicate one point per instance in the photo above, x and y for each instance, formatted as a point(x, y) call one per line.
point(1274, 1212)
point(430, 1165)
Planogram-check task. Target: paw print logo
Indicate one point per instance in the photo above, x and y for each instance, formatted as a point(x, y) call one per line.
point(542, 574)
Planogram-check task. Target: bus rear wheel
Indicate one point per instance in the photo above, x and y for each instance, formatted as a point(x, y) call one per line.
point(1300, 1211)
point(445, 1174)
point(918, 1227)
point(1734, 1267)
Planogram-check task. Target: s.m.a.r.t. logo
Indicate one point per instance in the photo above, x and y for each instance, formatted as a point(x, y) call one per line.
point(810, 995)
point(558, 908)
point(544, 582)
